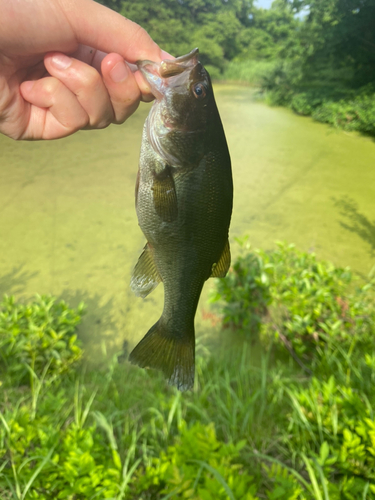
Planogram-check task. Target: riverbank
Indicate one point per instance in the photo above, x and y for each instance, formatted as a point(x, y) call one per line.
point(344, 108)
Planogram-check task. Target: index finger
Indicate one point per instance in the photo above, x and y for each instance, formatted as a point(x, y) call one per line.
point(106, 30)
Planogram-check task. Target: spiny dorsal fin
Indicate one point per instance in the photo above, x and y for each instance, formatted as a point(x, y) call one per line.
point(145, 276)
point(169, 352)
point(165, 197)
point(220, 269)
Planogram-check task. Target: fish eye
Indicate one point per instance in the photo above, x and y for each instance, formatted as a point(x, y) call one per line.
point(199, 90)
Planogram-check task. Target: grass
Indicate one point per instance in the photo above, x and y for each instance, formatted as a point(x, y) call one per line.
point(256, 425)
point(136, 417)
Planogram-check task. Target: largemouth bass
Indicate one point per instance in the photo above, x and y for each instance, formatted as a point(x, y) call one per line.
point(184, 195)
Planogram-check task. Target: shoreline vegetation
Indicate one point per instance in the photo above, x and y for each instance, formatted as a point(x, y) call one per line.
point(348, 109)
point(283, 406)
point(316, 57)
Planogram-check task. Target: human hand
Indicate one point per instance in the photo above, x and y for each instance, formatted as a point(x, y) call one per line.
point(44, 94)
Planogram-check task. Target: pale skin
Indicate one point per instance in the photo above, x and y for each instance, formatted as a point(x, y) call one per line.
point(64, 67)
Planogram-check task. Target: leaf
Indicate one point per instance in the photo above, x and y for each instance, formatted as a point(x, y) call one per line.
point(324, 452)
point(310, 470)
point(217, 475)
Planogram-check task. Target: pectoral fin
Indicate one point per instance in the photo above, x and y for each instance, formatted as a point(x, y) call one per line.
point(145, 277)
point(220, 269)
point(165, 197)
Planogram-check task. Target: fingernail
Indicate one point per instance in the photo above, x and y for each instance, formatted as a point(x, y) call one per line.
point(61, 61)
point(119, 72)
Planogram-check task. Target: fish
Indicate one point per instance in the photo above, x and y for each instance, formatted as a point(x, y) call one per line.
point(184, 199)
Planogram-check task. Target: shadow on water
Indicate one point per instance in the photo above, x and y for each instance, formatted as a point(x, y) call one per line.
point(15, 281)
point(100, 331)
point(356, 222)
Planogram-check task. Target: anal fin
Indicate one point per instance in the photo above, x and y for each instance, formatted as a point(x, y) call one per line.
point(145, 276)
point(220, 269)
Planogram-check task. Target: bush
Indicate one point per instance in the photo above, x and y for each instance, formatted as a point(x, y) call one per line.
point(251, 72)
point(46, 460)
point(279, 82)
point(305, 305)
point(356, 113)
point(197, 467)
point(245, 293)
point(37, 338)
point(352, 110)
point(304, 103)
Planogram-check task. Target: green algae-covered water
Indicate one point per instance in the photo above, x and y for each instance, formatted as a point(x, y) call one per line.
point(68, 225)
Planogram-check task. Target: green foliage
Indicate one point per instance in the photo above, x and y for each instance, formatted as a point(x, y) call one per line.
point(271, 34)
point(355, 113)
point(223, 30)
point(305, 103)
point(339, 34)
point(37, 338)
point(285, 486)
point(246, 292)
point(279, 81)
point(328, 72)
point(305, 305)
point(254, 427)
point(198, 466)
point(349, 110)
point(247, 71)
point(313, 310)
point(212, 25)
point(47, 460)
point(338, 423)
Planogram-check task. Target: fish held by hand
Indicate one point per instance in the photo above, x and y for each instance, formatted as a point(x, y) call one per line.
point(184, 197)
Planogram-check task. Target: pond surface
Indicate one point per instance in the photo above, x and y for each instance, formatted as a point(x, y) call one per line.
point(68, 225)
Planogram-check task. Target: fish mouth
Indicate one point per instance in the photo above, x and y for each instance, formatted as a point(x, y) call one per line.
point(156, 74)
point(173, 67)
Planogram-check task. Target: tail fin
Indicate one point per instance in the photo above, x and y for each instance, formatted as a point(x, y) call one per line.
point(163, 350)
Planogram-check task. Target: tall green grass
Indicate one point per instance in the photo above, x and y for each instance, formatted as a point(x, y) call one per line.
point(256, 426)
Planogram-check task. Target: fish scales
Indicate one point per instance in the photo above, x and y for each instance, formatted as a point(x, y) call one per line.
point(184, 196)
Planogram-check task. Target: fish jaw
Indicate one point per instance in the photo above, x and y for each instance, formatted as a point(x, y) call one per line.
point(158, 76)
point(150, 71)
point(173, 67)
point(170, 82)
